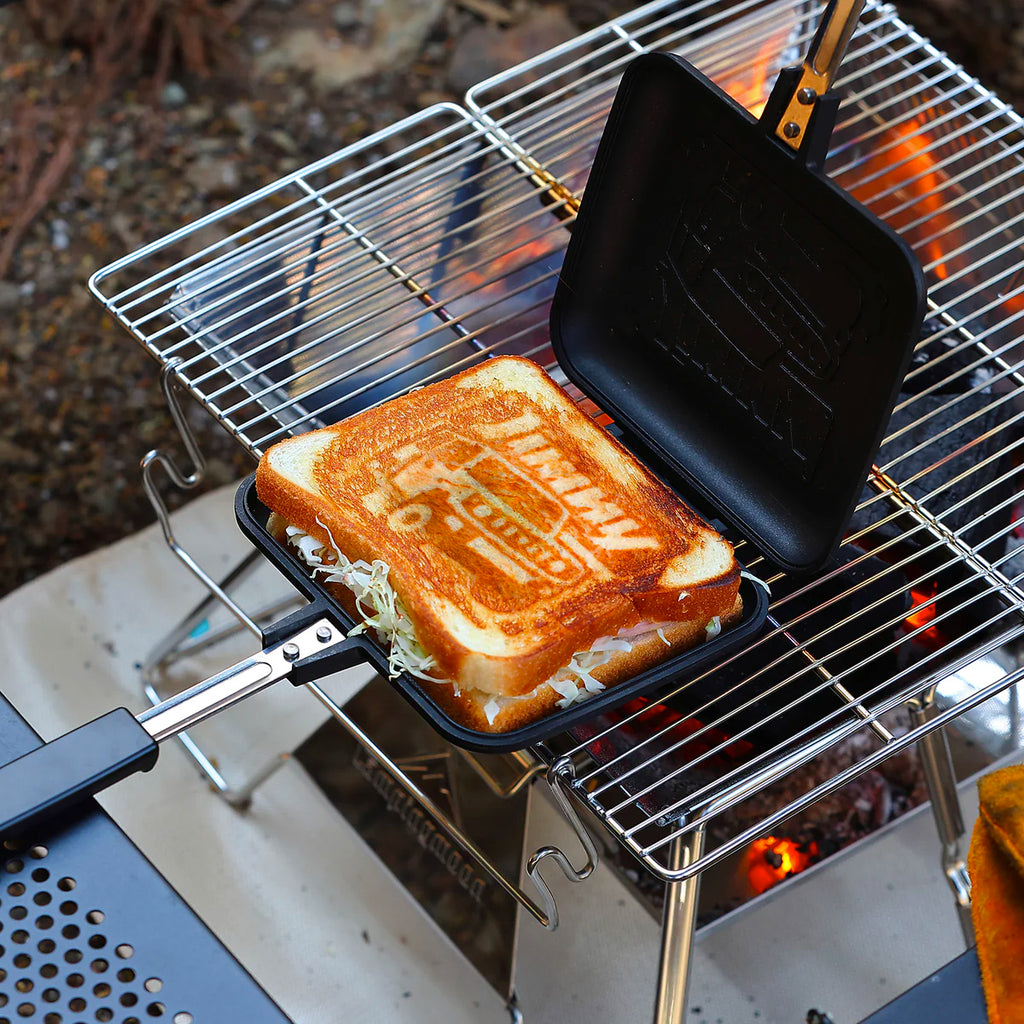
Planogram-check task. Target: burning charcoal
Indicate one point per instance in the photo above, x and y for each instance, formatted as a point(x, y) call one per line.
point(772, 860)
point(942, 364)
point(854, 612)
point(945, 600)
point(618, 749)
point(987, 442)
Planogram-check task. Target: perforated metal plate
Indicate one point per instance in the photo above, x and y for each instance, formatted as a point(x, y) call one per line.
point(90, 931)
point(59, 956)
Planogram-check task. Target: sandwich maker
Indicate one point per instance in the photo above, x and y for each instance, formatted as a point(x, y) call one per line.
point(743, 320)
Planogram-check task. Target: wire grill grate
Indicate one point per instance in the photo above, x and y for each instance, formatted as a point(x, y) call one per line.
point(437, 243)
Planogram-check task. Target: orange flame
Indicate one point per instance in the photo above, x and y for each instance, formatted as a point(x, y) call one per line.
point(771, 859)
point(922, 610)
point(901, 173)
point(523, 249)
point(750, 90)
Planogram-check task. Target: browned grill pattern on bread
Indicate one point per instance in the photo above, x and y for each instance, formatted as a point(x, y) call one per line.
point(516, 531)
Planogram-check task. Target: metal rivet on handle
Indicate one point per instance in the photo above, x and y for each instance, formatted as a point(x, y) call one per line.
point(806, 96)
point(791, 129)
point(323, 634)
point(290, 652)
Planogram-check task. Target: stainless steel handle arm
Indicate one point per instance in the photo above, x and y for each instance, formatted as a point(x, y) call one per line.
point(242, 679)
point(823, 58)
point(59, 774)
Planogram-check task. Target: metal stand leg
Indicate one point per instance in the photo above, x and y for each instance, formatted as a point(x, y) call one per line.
point(192, 635)
point(941, 782)
point(679, 925)
point(515, 1013)
point(195, 623)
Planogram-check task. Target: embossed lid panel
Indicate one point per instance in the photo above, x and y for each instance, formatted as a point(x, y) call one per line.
point(735, 311)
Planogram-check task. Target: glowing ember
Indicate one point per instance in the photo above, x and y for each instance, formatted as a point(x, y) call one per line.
point(521, 249)
point(770, 860)
point(922, 612)
point(922, 609)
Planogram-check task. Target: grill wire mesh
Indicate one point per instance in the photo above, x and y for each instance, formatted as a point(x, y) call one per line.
point(437, 243)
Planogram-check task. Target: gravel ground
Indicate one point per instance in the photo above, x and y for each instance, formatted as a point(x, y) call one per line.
point(81, 401)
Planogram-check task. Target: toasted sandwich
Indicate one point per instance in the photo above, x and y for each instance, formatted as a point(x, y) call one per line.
point(512, 555)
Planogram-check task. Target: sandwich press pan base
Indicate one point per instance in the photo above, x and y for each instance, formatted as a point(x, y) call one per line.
point(305, 646)
point(252, 517)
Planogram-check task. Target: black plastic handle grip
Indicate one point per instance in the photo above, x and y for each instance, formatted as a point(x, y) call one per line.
point(74, 766)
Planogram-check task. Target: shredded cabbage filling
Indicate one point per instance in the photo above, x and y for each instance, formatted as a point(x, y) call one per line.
point(381, 608)
point(383, 612)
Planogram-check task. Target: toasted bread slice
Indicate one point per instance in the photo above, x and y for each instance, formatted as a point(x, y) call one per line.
point(648, 644)
point(516, 532)
point(486, 712)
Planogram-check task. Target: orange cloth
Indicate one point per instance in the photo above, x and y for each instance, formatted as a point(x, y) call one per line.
point(996, 867)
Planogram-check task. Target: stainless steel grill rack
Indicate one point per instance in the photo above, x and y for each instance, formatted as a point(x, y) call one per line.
point(437, 242)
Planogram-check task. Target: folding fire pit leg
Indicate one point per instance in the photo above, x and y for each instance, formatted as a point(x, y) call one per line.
point(189, 637)
point(941, 782)
point(193, 633)
point(679, 923)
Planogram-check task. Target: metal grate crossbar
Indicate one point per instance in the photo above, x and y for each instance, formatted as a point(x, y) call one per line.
point(437, 243)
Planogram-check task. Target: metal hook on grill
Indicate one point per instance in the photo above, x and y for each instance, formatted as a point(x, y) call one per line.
point(556, 781)
point(184, 481)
